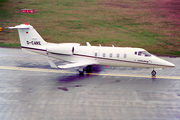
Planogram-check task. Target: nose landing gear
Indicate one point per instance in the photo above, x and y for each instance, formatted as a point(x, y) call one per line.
point(153, 73)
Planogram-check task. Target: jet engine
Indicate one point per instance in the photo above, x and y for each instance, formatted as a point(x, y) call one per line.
point(63, 49)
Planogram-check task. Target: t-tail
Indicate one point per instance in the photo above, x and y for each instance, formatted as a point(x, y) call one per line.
point(30, 38)
point(28, 35)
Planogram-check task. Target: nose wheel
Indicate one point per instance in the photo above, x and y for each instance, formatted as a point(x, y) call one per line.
point(153, 73)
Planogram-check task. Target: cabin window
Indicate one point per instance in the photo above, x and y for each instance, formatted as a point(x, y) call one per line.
point(135, 53)
point(125, 55)
point(118, 55)
point(95, 54)
point(110, 55)
point(104, 55)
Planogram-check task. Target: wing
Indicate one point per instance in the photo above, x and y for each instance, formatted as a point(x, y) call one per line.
point(51, 63)
point(70, 65)
point(76, 64)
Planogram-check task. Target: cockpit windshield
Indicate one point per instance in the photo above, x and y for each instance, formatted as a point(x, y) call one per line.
point(143, 53)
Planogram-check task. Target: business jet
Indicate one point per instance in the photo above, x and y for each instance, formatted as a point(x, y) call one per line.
point(84, 57)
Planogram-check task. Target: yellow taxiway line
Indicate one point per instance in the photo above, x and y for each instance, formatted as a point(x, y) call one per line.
point(34, 69)
point(65, 71)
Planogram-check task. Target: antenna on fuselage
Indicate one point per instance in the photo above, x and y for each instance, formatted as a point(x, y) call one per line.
point(88, 44)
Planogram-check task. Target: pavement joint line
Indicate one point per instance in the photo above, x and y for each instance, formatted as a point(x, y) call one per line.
point(65, 71)
point(126, 75)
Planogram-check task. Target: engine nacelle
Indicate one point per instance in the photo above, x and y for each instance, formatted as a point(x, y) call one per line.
point(61, 49)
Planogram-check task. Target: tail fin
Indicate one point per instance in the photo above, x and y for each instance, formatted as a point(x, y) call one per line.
point(29, 36)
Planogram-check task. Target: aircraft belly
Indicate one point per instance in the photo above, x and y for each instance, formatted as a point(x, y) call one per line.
point(123, 63)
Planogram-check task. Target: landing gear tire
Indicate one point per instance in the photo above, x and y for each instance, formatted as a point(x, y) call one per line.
point(88, 69)
point(153, 73)
point(81, 72)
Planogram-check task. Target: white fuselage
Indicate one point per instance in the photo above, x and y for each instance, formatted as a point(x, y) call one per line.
point(82, 56)
point(109, 56)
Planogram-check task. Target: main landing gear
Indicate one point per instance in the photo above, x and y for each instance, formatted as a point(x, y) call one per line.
point(81, 70)
point(153, 73)
point(87, 69)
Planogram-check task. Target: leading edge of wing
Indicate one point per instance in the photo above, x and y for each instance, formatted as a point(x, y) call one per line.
point(77, 64)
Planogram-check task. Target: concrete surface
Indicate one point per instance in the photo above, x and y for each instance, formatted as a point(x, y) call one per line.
point(31, 90)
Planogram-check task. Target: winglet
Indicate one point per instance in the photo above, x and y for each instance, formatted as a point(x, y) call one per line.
point(88, 44)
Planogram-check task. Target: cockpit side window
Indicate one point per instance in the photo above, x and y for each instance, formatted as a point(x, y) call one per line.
point(140, 53)
point(143, 53)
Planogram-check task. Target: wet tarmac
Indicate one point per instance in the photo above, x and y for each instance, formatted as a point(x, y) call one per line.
point(31, 90)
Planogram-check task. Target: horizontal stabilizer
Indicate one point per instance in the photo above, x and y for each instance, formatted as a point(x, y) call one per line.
point(22, 26)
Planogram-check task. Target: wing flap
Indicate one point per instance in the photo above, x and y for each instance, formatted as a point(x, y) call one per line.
point(51, 63)
point(73, 65)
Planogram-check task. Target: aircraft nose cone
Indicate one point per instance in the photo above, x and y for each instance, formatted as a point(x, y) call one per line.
point(169, 64)
point(165, 63)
